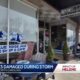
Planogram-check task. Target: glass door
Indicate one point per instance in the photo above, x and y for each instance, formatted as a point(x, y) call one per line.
point(41, 40)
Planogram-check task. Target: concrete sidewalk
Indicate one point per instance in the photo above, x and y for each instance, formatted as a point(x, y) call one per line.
point(67, 76)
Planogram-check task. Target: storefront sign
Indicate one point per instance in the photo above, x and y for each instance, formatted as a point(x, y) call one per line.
point(71, 11)
point(13, 48)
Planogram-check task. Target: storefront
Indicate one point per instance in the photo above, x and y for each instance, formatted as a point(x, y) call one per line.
point(18, 29)
point(61, 31)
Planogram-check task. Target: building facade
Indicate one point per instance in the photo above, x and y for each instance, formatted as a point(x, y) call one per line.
point(23, 22)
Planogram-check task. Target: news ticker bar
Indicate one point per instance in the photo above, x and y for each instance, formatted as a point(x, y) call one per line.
point(27, 67)
point(56, 68)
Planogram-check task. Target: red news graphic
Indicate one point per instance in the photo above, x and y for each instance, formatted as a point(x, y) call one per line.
point(69, 68)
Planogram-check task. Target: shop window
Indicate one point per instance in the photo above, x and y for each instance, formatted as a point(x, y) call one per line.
point(3, 26)
point(23, 27)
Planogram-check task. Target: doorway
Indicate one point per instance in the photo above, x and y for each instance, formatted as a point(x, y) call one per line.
point(43, 40)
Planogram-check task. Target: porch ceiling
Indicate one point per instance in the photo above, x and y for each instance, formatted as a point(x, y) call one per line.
point(46, 12)
point(63, 4)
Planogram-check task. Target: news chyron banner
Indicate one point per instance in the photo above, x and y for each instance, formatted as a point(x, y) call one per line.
point(35, 68)
point(22, 68)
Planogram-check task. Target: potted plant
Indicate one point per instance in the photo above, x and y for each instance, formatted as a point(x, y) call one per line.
point(50, 54)
point(65, 51)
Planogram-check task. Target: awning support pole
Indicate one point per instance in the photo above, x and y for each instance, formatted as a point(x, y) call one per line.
point(8, 33)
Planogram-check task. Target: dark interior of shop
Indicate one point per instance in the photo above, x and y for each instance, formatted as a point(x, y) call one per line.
point(58, 34)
